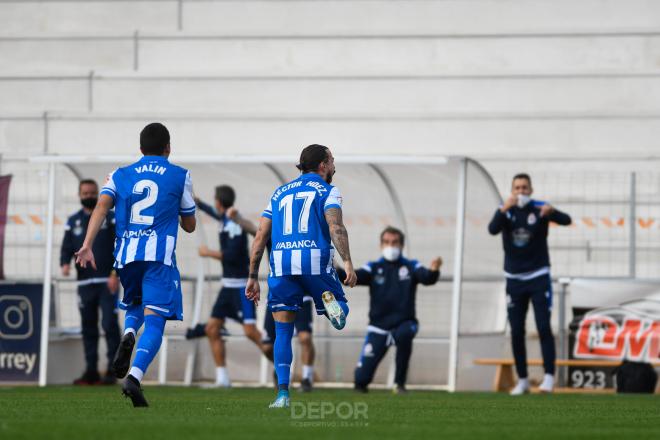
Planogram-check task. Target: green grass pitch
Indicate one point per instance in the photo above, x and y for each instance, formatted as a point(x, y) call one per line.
point(193, 413)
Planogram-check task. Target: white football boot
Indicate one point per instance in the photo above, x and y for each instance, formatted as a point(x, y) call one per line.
point(548, 384)
point(522, 387)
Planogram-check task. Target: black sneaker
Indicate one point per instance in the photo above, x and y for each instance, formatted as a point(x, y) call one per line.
point(198, 331)
point(133, 391)
point(306, 385)
point(361, 389)
point(122, 360)
point(88, 378)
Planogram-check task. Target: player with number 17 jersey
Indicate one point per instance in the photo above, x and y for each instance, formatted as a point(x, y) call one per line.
point(301, 242)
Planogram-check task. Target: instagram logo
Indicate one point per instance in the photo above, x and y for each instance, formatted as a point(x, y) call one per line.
point(15, 317)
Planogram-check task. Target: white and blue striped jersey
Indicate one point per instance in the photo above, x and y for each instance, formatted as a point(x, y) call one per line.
point(149, 196)
point(300, 237)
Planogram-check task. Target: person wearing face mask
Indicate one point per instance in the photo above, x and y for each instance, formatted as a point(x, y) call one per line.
point(524, 223)
point(392, 282)
point(97, 288)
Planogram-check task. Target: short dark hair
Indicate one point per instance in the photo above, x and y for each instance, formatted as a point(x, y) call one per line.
point(225, 195)
point(393, 230)
point(311, 157)
point(154, 139)
point(87, 182)
point(523, 176)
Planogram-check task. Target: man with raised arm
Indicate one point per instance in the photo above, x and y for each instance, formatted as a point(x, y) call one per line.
point(149, 197)
point(523, 223)
point(303, 219)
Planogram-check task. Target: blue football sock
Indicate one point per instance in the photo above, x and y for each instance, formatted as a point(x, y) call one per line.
point(283, 353)
point(344, 307)
point(134, 318)
point(148, 345)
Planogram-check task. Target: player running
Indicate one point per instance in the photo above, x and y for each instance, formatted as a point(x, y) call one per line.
point(302, 219)
point(149, 196)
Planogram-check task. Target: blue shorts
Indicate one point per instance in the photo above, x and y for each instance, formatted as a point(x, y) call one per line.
point(303, 322)
point(287, 292)
point(154, 285)
point(232, 303)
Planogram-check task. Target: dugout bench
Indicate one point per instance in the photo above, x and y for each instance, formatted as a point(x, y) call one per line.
point(504, 377)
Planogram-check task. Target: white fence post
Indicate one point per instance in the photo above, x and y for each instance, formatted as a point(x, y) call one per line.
point(45, 304)
point(458, 275)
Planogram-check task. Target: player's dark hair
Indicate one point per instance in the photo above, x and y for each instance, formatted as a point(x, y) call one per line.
point(523, 176)
point(154, 139)
point(312, 157)
point(225, 195)
point(87, 182)
point(393, 230)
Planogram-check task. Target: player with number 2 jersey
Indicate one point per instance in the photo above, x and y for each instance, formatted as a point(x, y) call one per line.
point(150, 197)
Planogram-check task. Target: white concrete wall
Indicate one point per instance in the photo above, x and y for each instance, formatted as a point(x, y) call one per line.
point(498, 138)
point(486, 78)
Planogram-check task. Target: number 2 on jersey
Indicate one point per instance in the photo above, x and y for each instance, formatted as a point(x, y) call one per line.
point(287, 204)
point(136, 210)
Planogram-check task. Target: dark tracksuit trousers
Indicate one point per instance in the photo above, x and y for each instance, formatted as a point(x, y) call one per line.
point(92, 297)
point(375, 347)
point(519, 294)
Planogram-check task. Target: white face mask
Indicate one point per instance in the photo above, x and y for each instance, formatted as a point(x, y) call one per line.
point(523, 200)
point(391, 253)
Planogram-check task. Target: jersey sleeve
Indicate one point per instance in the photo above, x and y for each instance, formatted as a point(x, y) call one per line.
point(187, 207)
point(334, 199)
point(268, 211)
point(109, 187)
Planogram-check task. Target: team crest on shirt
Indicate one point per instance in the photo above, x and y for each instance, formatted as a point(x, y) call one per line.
point(531, 218)
point(404, 273)
point(77, 230)
point(521, 237)
point(232, 228)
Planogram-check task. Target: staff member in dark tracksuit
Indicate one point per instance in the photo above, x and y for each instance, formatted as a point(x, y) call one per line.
point(392, 282)
point(96, 288)
point(523, 223)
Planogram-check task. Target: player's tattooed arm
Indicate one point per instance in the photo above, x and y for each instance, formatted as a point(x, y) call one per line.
point(85, 255)
point(338, 232)
point(253, 291)
point(339, 236)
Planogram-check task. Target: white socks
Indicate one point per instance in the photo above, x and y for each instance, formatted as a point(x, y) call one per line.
point(136, 373)
point(222, 377)
point(548, 383)
point(130, 330)
point(308, 372)
point(522, 387)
